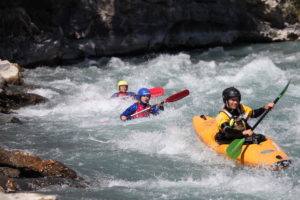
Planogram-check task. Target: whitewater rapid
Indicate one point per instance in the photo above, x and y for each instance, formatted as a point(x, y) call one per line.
point(161, 157)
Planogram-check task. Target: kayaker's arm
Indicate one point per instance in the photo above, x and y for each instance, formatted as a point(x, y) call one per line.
point(258, 112)
point(156, 108)
point(129, 111)
point(231, 133)
point(114, 95)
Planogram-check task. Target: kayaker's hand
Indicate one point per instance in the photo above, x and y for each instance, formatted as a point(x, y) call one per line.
point(159, 103)
point(269, 105)
point(248, 132)
point(123, 117)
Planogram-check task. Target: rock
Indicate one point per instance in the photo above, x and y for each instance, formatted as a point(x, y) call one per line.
point(16, 120)
point(33, 166)
point(29, 184)
point(5, 110)
point(2, 83)
point(29, 87)
point(7, 184)
point(14, 99)
point(25, 172)
point(59, 32)
point(11, 96)
point(291, 31)
point(27, 196)
point(9, 172)
point(10, 72)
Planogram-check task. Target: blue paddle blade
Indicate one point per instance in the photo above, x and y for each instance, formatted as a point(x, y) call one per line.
point(235, 148)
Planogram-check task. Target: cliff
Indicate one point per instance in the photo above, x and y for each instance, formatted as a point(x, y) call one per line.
point(37, 32)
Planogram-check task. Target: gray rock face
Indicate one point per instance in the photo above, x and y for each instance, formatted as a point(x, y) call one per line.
point(57, 31)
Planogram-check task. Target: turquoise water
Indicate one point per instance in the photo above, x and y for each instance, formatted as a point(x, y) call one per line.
point(161, 157)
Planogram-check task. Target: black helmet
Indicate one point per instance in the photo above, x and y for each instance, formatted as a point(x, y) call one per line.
point(230, 93)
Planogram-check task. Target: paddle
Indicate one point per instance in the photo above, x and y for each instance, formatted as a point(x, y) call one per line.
point(172, 98)
point(156, 92)
point(235, 147)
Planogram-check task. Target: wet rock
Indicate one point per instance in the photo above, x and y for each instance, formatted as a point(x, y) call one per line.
point(13, 99)
point(9, 172)
point(33, 166)
point(7, 184)
point(5, 110)
point(29, 184)
point(21, 171)
point(16, 120)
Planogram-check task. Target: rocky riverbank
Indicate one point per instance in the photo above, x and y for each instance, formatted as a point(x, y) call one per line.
point(21, 171)
point(13, 92)
point(54, 32)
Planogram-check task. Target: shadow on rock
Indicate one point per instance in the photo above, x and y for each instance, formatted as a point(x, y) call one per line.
point(15, 99)
point(23, 171)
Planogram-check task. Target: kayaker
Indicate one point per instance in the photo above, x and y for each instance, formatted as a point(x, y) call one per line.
point(143, 98)
point(123, 88)
point(232, 119)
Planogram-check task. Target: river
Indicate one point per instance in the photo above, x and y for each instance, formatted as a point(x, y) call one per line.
point(161, 157)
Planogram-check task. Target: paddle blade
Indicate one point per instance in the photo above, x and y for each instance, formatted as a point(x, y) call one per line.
point(285, 88)
point(177, 96)
point(235, 148)
point(156, 92)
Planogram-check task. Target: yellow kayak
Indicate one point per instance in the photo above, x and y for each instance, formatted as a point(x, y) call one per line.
point(266, 154)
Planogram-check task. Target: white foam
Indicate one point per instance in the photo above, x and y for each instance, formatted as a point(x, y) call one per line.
point(261, 70)
point(80, 98)
point(27, 196)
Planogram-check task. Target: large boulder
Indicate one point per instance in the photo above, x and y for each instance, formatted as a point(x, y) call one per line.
point(22, 171)
point(31, 165)
point(14, 99)
point(10, 72)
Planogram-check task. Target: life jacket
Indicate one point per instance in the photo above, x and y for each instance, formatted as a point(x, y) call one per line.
point(239, 122)
point(140, 108)
point(121, 94)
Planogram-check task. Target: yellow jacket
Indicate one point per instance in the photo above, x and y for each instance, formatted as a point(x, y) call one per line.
point(225, 116)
